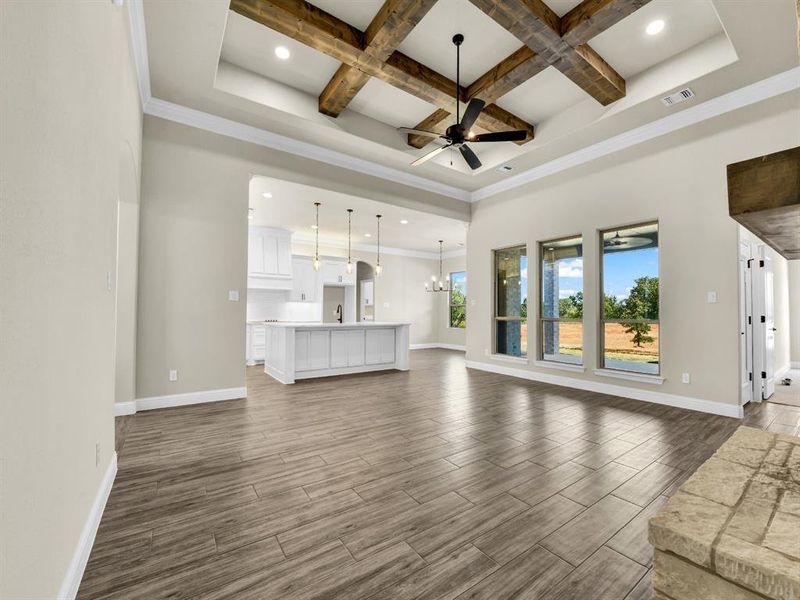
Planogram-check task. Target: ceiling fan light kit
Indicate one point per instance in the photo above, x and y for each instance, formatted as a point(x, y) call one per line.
point(458, 135)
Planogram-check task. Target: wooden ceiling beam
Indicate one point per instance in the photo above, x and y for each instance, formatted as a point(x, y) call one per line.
point(324, 32)
point(538, 27)
point(592, 17)
point(385, 33)
point(495, 83)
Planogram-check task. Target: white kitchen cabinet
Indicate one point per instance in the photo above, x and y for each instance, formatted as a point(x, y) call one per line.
point(256, 344)
point(379, 346)
point(311, 350)
point(334, 272)
point(305, 283)
point(269, 258)
point(347, 348)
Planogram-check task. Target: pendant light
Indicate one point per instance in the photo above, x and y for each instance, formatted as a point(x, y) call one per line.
point(440, 286)
point(316, 237)
point(349, 231)
point(378, 267)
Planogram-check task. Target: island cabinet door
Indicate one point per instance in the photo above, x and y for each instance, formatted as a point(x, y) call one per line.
point(379, 346)
point(347, 348)
point(311, 350)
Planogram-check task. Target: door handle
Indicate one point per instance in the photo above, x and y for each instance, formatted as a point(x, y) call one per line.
point(774, 329)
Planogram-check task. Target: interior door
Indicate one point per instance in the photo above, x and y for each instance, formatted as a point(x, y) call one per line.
point(745, 324)
point(769, 329)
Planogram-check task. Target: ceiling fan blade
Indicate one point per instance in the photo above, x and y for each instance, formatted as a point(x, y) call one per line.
point(426, 157)
point(471, 113)
point(469, 156)
point(425, 132)
point(501, 136)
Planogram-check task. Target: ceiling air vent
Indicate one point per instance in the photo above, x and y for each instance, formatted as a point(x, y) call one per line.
point(678, 97)
point(504, 169)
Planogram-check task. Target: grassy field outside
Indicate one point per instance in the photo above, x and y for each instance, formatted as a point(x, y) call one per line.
point(618, 344)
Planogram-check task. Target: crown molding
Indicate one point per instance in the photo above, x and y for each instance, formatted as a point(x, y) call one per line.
point(776, 85)
point(761, 90)
point(139, 49)
point(308, 238)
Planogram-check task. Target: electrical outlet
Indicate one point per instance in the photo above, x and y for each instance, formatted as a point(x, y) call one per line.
point(685, 378)
point(233, 295)
point(486, 351)
point(173, 375)
point(712, 297)
point(97, 454)
point(385, 305)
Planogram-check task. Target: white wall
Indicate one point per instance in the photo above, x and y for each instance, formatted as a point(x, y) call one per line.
point(681, 181)
point(69, 113)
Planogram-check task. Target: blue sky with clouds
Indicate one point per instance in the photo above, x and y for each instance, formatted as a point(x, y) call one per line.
point(620, 270)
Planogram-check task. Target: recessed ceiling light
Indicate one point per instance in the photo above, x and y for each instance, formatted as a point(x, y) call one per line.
point(655, 27)
point(504, 169)
point(403, 221)
point(282, 52)
point(367, 235)
point(267, 195)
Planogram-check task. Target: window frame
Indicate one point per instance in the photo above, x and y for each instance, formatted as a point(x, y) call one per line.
point(450, 301)
point(601, 320)
point(540, 318)
point(495, 317)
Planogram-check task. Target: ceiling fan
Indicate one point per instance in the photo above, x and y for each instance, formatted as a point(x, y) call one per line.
point(458, 135)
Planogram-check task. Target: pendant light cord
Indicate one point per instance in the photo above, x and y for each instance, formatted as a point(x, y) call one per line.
point(379, 239)
point(316, 232)
point(349, 222)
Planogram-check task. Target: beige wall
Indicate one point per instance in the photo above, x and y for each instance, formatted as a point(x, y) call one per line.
point(193, 246)
point(679, 180)
point(793, 268)
point(69, 109)
point(445, 333)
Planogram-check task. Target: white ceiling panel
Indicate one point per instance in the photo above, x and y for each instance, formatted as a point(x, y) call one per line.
point(252, 46)
point(485, 42)
point(562, 7)
point(358, 13)
point(292, 207)
point(543, 96)
point(630, 50)
point(390, 105)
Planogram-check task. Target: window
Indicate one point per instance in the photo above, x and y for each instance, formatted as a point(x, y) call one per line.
point(630, 288)
point(511, 301)
point(561, 300)
point(458, 299)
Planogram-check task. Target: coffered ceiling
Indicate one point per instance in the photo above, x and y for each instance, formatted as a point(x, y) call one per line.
point(205, 56)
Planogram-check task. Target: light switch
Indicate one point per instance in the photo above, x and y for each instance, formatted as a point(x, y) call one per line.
point(233, 295)
point(173, 375)
point(685, 378)
point(712, 297)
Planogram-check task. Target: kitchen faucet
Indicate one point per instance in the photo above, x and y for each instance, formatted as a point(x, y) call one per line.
point(339, 313)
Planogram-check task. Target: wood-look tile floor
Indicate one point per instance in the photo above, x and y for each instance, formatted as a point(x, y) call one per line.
point(437, 483)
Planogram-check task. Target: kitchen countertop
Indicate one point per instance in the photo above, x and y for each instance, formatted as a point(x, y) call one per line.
point(336, 325)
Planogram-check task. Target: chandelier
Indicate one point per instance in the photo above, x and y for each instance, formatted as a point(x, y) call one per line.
point(439, 286)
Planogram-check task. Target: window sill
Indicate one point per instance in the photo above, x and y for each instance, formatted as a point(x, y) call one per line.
point(640, 377)
point(458, 328)
point(519, 360)
point(549, 364)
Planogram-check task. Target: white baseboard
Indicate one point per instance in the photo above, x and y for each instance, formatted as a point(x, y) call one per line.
point(795, 364)
point(124, 408)
point(72, 580)
point(707, 406)
point(441, 345)
point(155, 402)
point(779, 373)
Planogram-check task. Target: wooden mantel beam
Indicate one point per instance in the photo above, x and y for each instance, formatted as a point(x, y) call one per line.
point(324, 32)
point(385, 33)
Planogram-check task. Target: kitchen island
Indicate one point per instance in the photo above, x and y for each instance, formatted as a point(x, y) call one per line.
point(304, 350)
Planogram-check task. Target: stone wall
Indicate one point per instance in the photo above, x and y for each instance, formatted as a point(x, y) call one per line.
point(732, 531)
